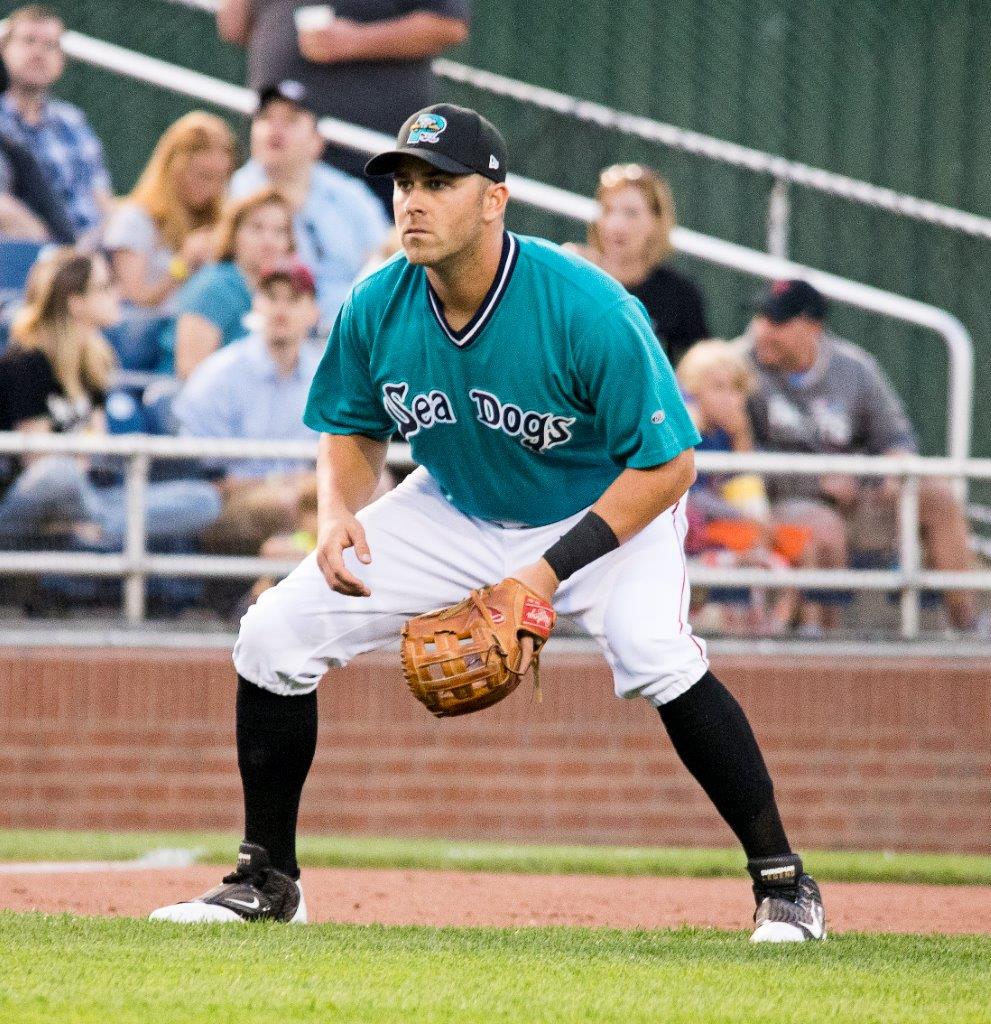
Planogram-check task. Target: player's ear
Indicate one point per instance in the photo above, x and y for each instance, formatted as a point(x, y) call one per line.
point(494, 200)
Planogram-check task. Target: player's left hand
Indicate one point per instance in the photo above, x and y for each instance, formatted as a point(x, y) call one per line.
point(540, 578)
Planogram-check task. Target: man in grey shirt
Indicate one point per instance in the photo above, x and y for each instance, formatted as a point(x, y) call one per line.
point(817, 393)
point(369, 66)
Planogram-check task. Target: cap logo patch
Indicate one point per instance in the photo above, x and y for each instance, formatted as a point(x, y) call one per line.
point(292, 90)
point(493, 163)
point(426, 128)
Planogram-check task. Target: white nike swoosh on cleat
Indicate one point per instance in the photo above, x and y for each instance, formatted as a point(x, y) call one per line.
point(254, 905)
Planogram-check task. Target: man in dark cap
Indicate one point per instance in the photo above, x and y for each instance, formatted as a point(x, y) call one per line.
point(817, 393)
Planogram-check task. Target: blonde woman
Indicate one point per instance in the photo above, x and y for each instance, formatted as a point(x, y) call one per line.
point(631, 241)
point(54, 377)
point(163, 232)
point(254, 233)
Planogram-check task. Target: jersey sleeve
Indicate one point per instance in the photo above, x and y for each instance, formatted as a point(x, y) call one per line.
point(628, 381)
point(343, 398)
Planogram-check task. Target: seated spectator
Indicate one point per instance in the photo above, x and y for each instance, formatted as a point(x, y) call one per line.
point(817, 393)
point(212, 306)
point(256, 388)
point(729, 516)
point(164, 231)
point(53, 379)
point(631, 241)
point(338, 221)
point(29, 209)
point(55, 132)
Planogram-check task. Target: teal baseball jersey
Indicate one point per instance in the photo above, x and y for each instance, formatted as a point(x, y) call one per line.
point(531, 410)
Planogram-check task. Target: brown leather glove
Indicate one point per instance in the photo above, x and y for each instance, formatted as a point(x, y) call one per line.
point(467, 657)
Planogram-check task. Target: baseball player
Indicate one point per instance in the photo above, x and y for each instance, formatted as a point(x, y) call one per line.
point(553, 447)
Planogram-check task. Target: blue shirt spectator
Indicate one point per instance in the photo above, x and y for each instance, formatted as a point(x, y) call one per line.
point(241, 392)
point(220, 294)
point(338, 221)
point(57, 133)
point(69, 153)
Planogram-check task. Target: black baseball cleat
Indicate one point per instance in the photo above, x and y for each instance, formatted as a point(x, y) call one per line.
point(255, 891)
point(789, 905)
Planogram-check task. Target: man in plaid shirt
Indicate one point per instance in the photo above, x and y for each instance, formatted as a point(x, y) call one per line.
point(56, 133)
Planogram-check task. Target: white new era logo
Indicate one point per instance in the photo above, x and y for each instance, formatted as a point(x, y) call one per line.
point(493, 164)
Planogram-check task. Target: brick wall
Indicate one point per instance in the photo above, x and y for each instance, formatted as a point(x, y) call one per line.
point(873, 753)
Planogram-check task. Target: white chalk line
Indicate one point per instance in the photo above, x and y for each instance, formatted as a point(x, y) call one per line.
point(153, 860)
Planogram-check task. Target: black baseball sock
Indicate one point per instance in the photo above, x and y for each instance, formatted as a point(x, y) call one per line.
point(276, 740)
point(713, 738)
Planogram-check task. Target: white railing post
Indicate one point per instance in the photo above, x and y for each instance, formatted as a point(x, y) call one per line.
point(135, 546)
point(910, 554)
point(779, 219)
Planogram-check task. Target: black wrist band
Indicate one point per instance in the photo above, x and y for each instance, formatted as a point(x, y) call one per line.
point(590, 538)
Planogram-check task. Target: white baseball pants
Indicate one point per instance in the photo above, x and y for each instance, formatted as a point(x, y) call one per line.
point(426, 554)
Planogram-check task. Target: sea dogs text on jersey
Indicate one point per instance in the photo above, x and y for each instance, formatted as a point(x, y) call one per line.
point(537, 431)
point(423, 411)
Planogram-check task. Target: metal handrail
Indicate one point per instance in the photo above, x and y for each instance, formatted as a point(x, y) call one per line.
point(581, 208)
point(135, 564)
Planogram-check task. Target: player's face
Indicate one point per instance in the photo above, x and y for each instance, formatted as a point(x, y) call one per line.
point(786, 346)
point(265, 235)
point(626, 223)
point(33, 53)
point(438, 215)
point(284, 136)
point(287, 315)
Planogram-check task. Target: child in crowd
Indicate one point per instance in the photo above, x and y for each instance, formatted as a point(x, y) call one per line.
point(729, 517)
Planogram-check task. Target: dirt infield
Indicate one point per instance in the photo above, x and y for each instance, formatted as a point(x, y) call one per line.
point(483, 899)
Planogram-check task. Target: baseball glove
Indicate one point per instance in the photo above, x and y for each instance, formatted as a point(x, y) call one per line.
point(467, 657)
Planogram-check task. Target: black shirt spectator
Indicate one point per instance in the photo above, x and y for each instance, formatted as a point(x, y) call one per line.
point(29, 390)
point(631, 241)
point(676, 308)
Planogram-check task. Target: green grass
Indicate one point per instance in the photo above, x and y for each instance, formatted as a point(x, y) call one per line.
point(342, 851)
point(89, 971)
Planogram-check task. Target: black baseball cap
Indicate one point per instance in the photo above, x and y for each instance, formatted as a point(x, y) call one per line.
point(452, 139)
point(289, 91)
point(782, 301)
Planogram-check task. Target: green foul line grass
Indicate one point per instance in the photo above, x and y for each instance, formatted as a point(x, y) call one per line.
point(350, 851)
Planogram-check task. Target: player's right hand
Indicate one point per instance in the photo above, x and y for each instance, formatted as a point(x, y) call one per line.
point(333, 540)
